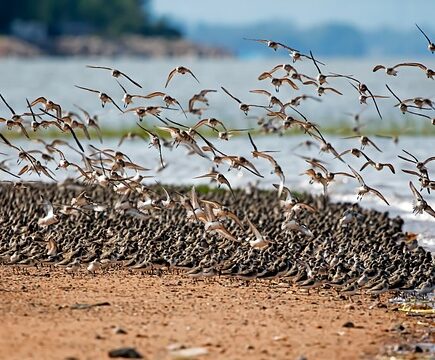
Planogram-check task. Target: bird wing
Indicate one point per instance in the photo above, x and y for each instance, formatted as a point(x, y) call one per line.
point(130, 79)
point(264, 75)
point(415, 192)
point(116, 105)
point(8, 106)
point(41, 99)
point(369, 162)
point(421, 66)
point(378, 194)
point(232, 96)
point(252, 142)
point(358, 176)
point(264, 92)
point(170, 76)
point(333, 90)
point(378, 67)
point(291, 83)
point(427, 37)
point(193, 75)
point(85, 88)
point(154, 94)
point(390, 166)
point(254, 230)
point(99, 67)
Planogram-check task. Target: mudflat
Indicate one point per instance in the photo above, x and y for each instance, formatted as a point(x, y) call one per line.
point(46, 313)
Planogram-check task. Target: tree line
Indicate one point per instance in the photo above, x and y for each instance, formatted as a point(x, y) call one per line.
point(102, 17)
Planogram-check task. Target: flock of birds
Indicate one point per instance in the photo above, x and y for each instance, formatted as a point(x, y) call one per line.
point(114, 171)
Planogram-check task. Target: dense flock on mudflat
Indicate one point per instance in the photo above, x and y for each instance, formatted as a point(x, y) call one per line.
point(112, 213)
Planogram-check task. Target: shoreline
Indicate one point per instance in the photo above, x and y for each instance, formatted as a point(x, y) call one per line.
point(127, 45)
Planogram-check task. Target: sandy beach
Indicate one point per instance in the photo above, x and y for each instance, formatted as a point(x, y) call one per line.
point(232, 319)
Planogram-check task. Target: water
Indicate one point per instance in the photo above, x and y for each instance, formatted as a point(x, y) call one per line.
point(54, 78)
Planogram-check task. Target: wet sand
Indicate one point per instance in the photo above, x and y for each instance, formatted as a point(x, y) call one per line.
point(232, 319)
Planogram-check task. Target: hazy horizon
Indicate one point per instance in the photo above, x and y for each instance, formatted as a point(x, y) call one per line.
point(369, 15)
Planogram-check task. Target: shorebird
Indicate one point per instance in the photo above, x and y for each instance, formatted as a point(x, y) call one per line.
point(276, 168)
point(271, 44)
point(430, 45)
point(378, 166)
point(403, 106)
point(328, 175)
point(179, 70)
point(419, 101)
point(104, 98)
point(349, 215)
point(167, 99)
point(278, 82)
point(213, 225)
point(242, 106)
point(49, 105)
point(322, 78)
point(390, 71)
point(294, 225)
point(365, 141)
point(127, 98)
point(296, 101)
point(223, 212)
point(213, 123)
point(154, 142)
point(273, 100)
point(115, 73)
point(219, 178)
point(16, 118)
point(260, 242)
point(429, 72)
point(420, 205)
point(64, 127)
point(321, 89)
point(420, 165)
point(94, 266)
point(50, 218)
point(327, 147)
point(291, 205)
point(363, 98)
point(142, 111)
point(288, 68)
point(91, 122)
point(129, 136)
point(364, 189)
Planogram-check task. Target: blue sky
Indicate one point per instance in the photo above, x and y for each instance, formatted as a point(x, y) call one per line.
point(366, 14)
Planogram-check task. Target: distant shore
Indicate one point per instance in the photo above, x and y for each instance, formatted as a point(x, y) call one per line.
point(132, 45)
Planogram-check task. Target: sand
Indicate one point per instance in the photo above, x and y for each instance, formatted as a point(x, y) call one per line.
point(231, 319)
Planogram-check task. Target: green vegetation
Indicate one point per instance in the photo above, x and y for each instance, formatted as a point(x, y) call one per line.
point(102, 17)
point(341, 129)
